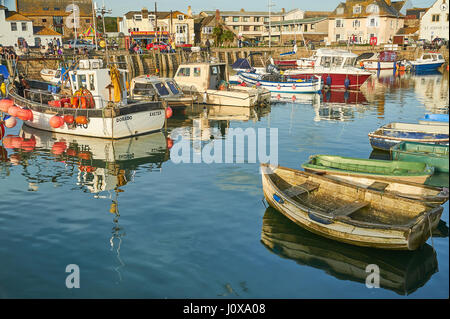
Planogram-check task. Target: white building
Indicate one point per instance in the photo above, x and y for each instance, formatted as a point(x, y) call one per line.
point(14, 28)
point(434, 23)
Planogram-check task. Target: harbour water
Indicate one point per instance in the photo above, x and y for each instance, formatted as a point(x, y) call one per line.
point(139, 225)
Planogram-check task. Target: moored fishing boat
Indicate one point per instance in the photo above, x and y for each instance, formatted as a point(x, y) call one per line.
point(146, 87)
point(428, 62)
point(49, 75)
point(277, 83)
point(403, 271)
point(392, 170)
point(347, 213)
point(433, 155)
point(391, 134)
point(97, 106)
point(385, 60)
point(209, 82)
point(337, 69)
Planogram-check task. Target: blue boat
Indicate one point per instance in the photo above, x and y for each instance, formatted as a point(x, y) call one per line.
point(391, 134)
point(428, 62)
point(437, 119)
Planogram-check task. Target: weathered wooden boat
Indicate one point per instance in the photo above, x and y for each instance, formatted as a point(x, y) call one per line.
point(427, 194)
point(433, 155)
point(209, 82)
point(402, 271)
point(347, 213)
point(50, 75)
point(98, 105)
point(153, 88)
point(277, 83)
point(391, 134)
point(392, 170)
point(434, 119)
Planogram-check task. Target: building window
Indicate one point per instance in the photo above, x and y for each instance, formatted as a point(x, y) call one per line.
point(266, 19)
point(257, 19)
point(138, 17)
point(356, 24)
point(180, 17)
point(44, 20)
point(45, 9)
point(339, 23)
point(340, 10)
point(13, 26)
point(306, 28)
point(207, 30)
point(24, 26)
point(435, 17)
point(235, 19)
point(373, 22)
point(373, 8)
point(57, 9)
point(246, 28)
point(246, 19)
point(338, 37)
point(357, 9)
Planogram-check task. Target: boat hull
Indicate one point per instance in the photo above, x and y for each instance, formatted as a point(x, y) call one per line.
point(343, 230)
point(375, 65)
point(433, 155)
point(337, 80)
point(309, 86)
point(426, 67)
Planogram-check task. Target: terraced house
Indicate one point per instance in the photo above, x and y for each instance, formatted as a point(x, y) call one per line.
point(54, 14)
point(360, 21)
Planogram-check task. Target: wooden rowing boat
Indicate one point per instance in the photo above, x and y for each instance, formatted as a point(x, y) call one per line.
point(391, 134)
point(429, 195)
point(392, 170)
point(433, 155)
point(403, 271)
point(348, 213)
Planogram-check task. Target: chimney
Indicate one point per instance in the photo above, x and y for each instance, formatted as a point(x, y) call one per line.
point(189, 11)
point(242, 10)
point(217, 15)
point(283, 11)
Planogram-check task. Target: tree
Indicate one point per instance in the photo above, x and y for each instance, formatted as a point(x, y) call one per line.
point(218, 32)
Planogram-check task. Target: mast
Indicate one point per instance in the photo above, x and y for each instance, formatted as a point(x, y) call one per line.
point(94, 19)
point(156, 23)
point(104, 11)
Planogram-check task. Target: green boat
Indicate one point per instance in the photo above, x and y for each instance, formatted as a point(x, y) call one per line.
point(433, 155)
point(394, 170)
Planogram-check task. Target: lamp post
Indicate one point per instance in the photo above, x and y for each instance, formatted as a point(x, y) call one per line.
point(270, 4)
point(104, 11)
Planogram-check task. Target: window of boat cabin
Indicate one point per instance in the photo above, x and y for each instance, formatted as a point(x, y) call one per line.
point(173, 87)
point(325, 61)
point(337, 61)
point(143, 89)
point(81, 79)
point(196, 71)
point(426, 56)
point(92, 82)
point(162, 90)
point(350, 62)
point(184, 72)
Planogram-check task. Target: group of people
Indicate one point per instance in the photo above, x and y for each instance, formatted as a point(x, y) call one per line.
point(8, 53)
point(54, 47)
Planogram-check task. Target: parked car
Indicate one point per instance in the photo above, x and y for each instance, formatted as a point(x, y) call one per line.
point(79, 44)
point(161, 46)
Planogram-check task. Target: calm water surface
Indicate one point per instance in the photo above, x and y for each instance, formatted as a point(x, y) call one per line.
point(140, 226)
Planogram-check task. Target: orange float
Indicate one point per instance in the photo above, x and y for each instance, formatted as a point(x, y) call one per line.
point(12, 110)
point(5, 104)
point(81, 120)
point(56, 121)
point(10, 122)
point(68, 119)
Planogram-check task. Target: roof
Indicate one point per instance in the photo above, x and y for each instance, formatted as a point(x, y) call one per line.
point(206, 21)
point(245, 13)
point(302, 21)
point(407, 31)
point(316, 14)
point(14, 16)
point(45, 31)
point(416, 12)
point(384, 9)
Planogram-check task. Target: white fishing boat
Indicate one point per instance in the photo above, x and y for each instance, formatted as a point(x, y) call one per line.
point(49, 75)
point(209, 82)
point(385, 60)
point(245, 65)
point(277, 83)
point(146, 87)
point(97, 105)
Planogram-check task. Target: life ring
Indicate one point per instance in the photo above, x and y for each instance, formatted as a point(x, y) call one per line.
point(83, 98)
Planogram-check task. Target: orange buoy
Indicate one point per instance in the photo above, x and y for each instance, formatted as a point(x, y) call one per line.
point(84, 155)
point(25, 114)
point(10, 122)
point(81, 120)
point(5, 104)
point(68, 119)
point(169, 112)
point(56, 121)
point(12, 110)
point(59, 147)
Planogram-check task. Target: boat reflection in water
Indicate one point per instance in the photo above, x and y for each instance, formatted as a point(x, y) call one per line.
point(339, 105)
point(401, 271)
point(100, 166)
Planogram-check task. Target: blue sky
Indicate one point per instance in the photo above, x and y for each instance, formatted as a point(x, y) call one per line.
point(120, 7)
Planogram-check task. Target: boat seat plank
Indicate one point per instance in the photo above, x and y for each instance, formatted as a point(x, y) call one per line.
point(378, 186)
point(300, 189)
point(349, 209)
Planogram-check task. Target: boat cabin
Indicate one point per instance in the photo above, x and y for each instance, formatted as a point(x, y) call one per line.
point(91, 76)
point(202, 76)
point(153, 87)
point(431, 56)
point(335, 58)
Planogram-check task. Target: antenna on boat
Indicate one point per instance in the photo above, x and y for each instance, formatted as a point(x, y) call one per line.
point(104, 11)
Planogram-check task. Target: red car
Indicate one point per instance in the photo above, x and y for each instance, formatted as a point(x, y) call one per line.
point(161, 46)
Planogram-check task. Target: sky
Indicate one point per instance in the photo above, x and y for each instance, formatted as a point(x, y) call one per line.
point(120, 7)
